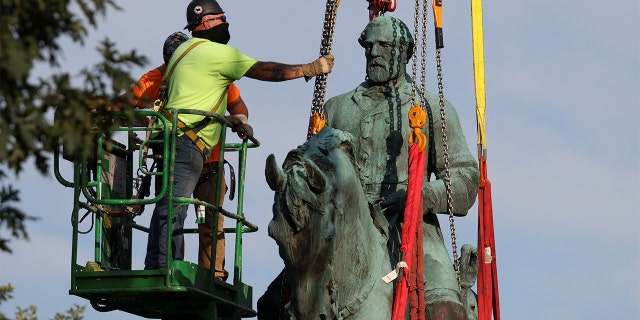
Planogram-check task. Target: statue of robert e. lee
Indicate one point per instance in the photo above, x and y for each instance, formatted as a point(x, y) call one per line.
point(376, 114)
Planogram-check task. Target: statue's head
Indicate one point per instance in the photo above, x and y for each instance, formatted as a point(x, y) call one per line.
point(388, 46)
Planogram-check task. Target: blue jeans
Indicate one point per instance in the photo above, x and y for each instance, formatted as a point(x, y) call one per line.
point(188, 165)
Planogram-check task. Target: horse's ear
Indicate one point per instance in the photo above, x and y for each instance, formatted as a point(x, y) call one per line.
point(316, 178)
point(276, 178)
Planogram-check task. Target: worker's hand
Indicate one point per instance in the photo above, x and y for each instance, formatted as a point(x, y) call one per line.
point(319, 66)
point(235, 120)
point(243, 129)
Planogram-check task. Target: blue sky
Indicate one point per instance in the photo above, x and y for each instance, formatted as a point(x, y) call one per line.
point(563, 139)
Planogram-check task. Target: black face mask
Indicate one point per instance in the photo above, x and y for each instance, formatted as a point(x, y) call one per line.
point(219, 33)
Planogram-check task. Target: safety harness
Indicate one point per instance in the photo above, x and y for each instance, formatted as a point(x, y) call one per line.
point(162, 99)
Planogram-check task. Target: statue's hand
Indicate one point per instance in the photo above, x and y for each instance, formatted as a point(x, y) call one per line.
point(395, 202)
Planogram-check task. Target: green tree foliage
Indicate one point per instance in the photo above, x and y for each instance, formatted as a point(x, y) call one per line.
point(30, 313)
point(30, 35)
point(11, 217)
point(5, 294)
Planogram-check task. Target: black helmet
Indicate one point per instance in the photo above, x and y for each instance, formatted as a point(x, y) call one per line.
point(173, 41)
point(198, 9)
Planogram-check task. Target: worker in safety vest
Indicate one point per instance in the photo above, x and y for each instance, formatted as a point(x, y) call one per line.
point(145, 92)
point(203, 68)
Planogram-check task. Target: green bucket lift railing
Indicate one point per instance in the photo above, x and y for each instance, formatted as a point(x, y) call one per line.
point(105, 180)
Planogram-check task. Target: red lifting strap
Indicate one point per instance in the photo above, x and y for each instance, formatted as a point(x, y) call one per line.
point(412, 243)
point(488, 297)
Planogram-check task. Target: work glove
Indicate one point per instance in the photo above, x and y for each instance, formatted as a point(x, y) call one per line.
point(235, 120)
point(319, 66)
point(244, 130)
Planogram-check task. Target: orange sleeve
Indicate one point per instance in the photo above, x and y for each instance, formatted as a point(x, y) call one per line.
point(215, 154)
point(233, 93)
point(145, 91)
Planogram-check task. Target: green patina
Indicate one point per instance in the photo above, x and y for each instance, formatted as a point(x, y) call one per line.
point(319, 223)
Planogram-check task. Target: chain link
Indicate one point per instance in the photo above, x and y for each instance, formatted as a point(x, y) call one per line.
point(320, 85)
point(423, 75)
point(422, 55)
point(414, 62)
point(447, 175)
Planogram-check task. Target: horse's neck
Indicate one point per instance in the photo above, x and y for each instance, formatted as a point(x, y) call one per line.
point(361, 257)
point(351, 285)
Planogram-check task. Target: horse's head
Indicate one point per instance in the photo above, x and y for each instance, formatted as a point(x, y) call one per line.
point(310, 190)
point(317, 208)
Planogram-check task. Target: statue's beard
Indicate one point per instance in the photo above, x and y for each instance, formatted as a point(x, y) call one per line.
point(380, 73)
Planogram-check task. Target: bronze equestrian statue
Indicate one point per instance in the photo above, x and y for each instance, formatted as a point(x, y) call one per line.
point(375, 114)
point(334, 250)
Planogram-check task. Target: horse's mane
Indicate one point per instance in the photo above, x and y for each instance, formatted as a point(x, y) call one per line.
point(303, 164)
point(318, 147)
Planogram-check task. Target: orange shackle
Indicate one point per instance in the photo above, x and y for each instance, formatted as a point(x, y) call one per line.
point(417, 120)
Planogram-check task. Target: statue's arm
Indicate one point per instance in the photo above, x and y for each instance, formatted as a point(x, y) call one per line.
point(330, 111)
point(463, 167)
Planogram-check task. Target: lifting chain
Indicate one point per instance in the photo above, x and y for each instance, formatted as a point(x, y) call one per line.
point(437, 13)
point(317, 117)
point(418, 106)
point(423, 55)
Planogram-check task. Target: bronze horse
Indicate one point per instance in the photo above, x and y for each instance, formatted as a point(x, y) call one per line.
point(333, 244)
point(334, 254)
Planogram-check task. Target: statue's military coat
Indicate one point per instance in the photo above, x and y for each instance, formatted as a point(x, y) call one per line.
point(372, 116)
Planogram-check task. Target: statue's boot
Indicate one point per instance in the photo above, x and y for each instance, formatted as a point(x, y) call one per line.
point(444, 304)
point(445, 310)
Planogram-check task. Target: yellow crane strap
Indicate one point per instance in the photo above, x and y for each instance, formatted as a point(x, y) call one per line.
point(478, 71)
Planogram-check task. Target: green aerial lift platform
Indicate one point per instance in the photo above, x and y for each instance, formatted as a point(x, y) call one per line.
point(105, 184)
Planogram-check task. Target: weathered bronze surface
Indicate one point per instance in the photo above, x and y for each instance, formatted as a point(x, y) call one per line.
point(340, 197)
point(334, 253)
